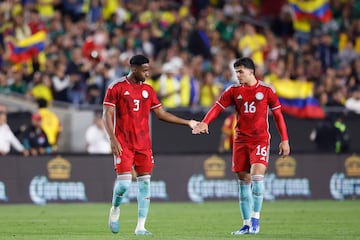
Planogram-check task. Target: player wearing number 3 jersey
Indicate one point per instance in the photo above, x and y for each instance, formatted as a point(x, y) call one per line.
point(252, 100)
point(126, 112)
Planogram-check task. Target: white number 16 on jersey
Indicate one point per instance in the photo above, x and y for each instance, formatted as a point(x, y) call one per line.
point(249, 108)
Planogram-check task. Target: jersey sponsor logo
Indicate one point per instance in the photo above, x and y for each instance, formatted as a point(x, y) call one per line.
point(239, 96)
point(126, 93)
point(259, 96)
point(145, 94)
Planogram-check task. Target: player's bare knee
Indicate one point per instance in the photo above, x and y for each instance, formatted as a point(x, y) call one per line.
point(244, 176)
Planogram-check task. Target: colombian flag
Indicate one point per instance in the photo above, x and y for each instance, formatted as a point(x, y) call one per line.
point(318, 9)
point(296, 98)
point(23, 50)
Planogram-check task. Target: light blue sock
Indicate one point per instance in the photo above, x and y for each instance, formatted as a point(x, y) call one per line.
point(257, 192)
point(121, 187)
point(143, 199)
point(245, 200)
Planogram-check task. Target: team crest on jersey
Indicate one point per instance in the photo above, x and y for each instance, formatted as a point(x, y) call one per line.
point(259, 96)
point(145, 94)
point(239, 96)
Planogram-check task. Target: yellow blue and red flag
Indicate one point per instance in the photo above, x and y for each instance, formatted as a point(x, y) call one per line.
point(25, 49)
point(296, 98)
point(306, 9)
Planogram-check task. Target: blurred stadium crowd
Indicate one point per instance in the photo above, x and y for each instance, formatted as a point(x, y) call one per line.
point(70, 50)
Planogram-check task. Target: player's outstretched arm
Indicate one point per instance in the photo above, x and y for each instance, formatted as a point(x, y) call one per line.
point(203, 126)
point(163, 115)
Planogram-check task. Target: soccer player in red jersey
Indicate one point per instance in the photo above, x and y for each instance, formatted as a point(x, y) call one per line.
point(252, 99)
point(126, 109)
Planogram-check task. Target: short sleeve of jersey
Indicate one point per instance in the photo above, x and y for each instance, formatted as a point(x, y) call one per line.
point(155, 102)
point(226, 99)
point(110, 97)
point(273, 99)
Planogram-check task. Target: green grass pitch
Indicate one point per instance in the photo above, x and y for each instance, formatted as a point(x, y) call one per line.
point(211, 220)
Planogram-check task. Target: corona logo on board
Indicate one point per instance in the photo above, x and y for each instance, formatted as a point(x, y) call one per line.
point(285, 166)
point(42, 190)
point(352, 166)
point(347, 185)
point(59, 168)
point(214, 167)
point(283, 183)
point(213, 185)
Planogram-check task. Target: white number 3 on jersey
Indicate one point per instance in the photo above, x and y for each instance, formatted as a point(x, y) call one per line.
point(137, 105)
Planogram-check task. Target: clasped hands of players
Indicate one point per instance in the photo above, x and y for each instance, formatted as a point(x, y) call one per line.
point(201, 127)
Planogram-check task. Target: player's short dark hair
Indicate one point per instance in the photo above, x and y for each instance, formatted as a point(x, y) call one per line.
point(138, 60)
point(246, 62)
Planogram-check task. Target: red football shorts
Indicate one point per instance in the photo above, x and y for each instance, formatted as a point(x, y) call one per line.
point(141, 160)
point(246, 154)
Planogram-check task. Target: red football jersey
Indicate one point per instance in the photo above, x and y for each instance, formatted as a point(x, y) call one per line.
point(251, 105)
point(132, 103)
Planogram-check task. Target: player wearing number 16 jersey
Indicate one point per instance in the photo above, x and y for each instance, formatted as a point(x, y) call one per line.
point(252, 100)
point(126, 111)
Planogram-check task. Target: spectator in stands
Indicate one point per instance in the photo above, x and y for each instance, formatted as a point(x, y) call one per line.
point(252, 44)
point(337, 98)
point(209, 90)
point(78, 69)
point(355, 71)
point(348, 54)
point(331, 135)
point(50, 123)
point(18, 84)
point(327, 51)
point(189, 87)
point(8, 138)
point(42, 87)
point(353, 102)
point(199, 42)
point(61, 82)
point(34, 138)
point(36, 23)
point(97, 140)
point(169, 87)
point(4, 87)
point(227, 133)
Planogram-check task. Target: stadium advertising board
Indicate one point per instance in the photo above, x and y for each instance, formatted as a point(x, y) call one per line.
point(196, 178)
point(283, 181)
